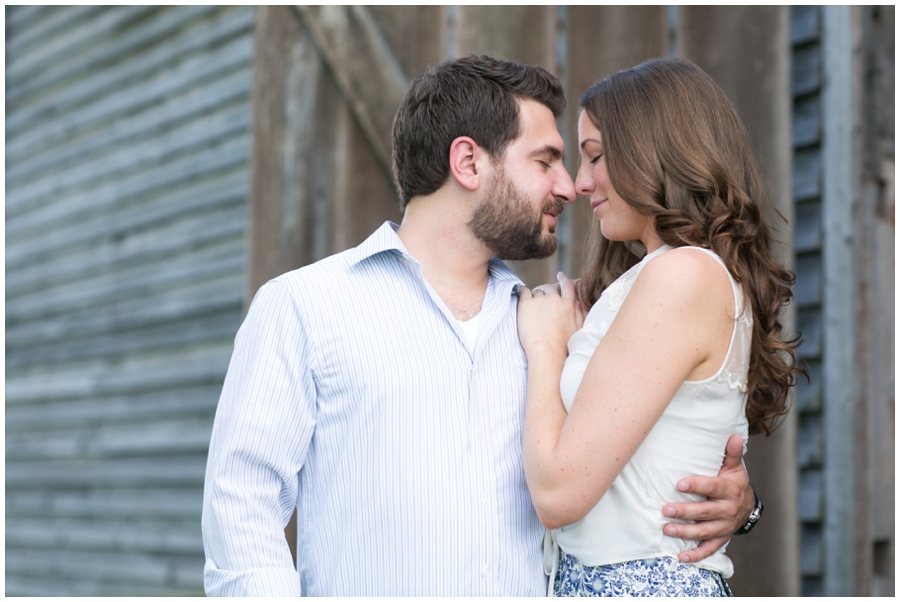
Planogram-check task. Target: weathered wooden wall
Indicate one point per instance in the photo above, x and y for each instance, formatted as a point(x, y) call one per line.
point(127, 155)
point(136, 232)
point(843, 130)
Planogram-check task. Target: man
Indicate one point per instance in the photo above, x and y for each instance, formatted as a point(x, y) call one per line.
point(381, 390)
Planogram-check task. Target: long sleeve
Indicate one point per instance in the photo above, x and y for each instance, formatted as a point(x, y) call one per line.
point(262, 431)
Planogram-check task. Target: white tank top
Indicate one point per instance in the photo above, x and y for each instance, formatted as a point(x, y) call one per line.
point(689, 439)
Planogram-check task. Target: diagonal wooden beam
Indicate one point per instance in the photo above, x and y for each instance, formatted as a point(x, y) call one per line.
point(364, 68)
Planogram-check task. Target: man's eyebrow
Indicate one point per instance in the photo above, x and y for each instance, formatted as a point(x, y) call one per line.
point(550, 150)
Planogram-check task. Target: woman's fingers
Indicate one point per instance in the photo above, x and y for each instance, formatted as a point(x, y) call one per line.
point(566, 286)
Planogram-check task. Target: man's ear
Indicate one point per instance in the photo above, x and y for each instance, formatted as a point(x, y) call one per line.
point(465, 162)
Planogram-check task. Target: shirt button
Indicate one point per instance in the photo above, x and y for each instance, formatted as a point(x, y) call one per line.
point(485, 571)
point(484, 501)
point(481, 434)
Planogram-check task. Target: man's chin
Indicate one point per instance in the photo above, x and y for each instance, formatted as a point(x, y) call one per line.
point(532, 252)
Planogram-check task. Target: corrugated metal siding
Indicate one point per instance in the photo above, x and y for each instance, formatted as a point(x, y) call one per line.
point(127, 157)
point(807, 139)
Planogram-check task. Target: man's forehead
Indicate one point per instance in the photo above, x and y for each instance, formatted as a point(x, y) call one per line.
point(538, 129)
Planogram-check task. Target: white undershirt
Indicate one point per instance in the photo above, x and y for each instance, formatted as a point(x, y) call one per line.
point(470, 330)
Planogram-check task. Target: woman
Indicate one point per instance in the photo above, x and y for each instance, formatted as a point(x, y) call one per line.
point(680, 349)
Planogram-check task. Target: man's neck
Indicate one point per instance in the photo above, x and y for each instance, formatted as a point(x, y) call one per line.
point(453, 261)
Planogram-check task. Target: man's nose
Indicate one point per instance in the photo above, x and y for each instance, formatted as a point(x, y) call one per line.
point(564, 189)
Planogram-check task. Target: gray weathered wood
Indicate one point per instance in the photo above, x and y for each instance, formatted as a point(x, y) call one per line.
point(370, 78)
point(807, 122)
point(159, 26)
point(809, 396)
point(811, 495)
point(804, 24)
point(806, 75)
point(162, 115)
point(140, 93)
point(840, 113)
point(807, 225)
point(127, 182)
point(807, 174)
point(47, 25)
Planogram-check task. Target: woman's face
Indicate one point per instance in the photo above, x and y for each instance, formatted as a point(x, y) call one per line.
point(618, 220)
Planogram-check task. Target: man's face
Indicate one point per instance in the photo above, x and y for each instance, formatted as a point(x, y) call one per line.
point(525, 193)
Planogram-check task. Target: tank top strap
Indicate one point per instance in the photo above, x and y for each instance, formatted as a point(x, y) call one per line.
point(734, 368)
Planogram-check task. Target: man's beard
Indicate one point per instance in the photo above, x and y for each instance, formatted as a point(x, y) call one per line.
point(506, 222)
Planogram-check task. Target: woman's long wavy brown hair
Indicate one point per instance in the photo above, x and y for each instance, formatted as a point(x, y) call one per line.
point(676, 149)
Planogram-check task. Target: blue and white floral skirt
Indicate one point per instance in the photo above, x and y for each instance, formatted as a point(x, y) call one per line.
point(664, 576)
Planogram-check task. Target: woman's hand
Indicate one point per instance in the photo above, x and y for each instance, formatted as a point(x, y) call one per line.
point(547, 317)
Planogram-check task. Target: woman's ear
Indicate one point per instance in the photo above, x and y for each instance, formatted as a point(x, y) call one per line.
point(465, 157)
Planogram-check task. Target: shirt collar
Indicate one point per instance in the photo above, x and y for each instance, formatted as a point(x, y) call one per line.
point(381, 240)
point(385, 239)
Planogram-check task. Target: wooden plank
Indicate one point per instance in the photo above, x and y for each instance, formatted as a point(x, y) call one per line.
point(129, 572)
point(156, 28)
point(808, 287)
point(79, 535)
point(806, 70)
point(177, 471)
point(809, 322)
point(201, 365)
point(841, 118)
point(813, 553)
point(20, 19)
point(167, 114)
point(168, 240)
point(808, 226)
point(93, 410)
point(810, 444)
point(141, 69)
point(48, 585)
point(809, 395)
point(191, 301)
point(131, 189)
point(159, 339)
point(804, 24)
point(807, 122)
point(219, 186)
point(192, 136)
point(126, 284)
point(367, 73)
point(139, 503)
point(42, 131)
point(156, 440)
point(807, 174)
point(47, 25)
point(811, 495)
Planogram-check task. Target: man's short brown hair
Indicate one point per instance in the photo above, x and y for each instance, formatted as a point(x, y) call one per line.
point(473, 96)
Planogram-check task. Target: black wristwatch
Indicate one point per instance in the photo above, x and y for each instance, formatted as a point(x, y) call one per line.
point(755, 515)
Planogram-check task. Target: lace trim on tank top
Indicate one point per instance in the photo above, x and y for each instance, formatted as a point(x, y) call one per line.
point(734, 373)
point(616, 293)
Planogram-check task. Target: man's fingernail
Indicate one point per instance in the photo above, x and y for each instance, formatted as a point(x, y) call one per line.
point(684, 558)
point(669, 530)
point(682, 486)
point(669, 511)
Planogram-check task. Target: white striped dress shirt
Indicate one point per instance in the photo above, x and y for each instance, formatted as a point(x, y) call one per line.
point(352, 394)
